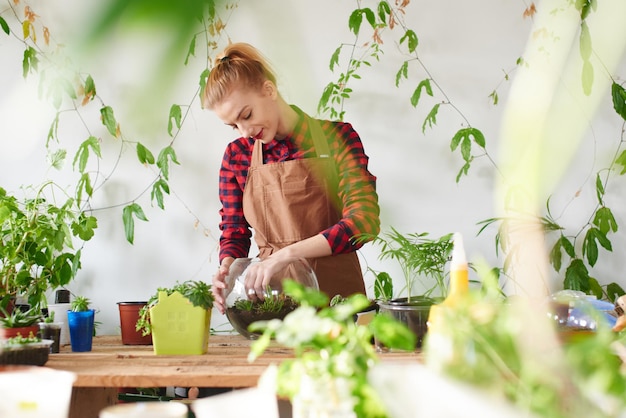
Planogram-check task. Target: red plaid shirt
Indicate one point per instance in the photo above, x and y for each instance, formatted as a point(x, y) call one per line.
point(357, 186)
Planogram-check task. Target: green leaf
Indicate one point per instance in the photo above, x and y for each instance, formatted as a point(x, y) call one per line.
point(424, 84)
point(555, 255)
point(619, 104)
point(355, 20)
point(176, 115)
point(128, 214)
point(605, 220)
point(53, 131)
point(144, 155)
point(84, 184)
point(334, 59)
point(370, 16)
point(192, 49)
point(595, 288)
point(463, 171)
point(158, 188)
point(599, 188)
point(613, 291)
point(84, 227)
point(577, 276)
point(57, 158)
point(82, 155)
point(568, 246)
point(90, 88)
point(166, 155)
point(383, 11)
point(412, 40)
point(431, 118)
point(383, 286)
point(30, 61)
point(585, 42)
point(108, 120)
point(4, 26)
point(402, 73)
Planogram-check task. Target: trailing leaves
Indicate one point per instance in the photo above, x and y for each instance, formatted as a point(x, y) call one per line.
point(166, 155)
point(577, 276)
point(108, 120)
point(158, 188)
point(431, 118)
point(144, 155)
point(129, 213)
point(82, 155)
point(619, 101)
point(423, 85)
point(176, 116)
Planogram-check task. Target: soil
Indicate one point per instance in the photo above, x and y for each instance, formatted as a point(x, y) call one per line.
point(240, 319)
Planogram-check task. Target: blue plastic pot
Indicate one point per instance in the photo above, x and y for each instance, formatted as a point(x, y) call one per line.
point(81, 329)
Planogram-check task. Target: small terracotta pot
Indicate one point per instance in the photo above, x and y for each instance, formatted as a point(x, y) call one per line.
point(23, 331)
point(129, 313)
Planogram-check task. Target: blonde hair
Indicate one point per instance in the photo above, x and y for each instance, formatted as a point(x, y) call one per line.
point(239, 65)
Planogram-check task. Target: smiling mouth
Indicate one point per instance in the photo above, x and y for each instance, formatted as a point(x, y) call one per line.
point(259, 135)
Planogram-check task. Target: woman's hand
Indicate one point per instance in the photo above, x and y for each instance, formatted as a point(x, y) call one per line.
point(219, 284)
point(259, 275)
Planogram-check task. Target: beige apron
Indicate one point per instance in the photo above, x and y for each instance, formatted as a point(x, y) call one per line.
point(290, 201)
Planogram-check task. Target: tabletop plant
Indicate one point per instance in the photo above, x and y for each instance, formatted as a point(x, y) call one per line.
point(20, 319)
point(196, 291)
point(422, 261)
point(332, 353)
point(37, 248)
point(80, 304)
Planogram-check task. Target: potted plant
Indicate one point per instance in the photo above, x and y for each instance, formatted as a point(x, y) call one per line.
point(37, 250)
point(30, 350)
point(20, 323)
point(80, 320)
point(129, 314)
point(332, 354)
point(51, 330)
point(422, 261)
point(178, 318)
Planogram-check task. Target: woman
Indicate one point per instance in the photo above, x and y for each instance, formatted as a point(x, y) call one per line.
point(301, 184)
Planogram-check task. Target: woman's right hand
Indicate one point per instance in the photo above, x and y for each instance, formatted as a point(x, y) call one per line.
point(219, 284)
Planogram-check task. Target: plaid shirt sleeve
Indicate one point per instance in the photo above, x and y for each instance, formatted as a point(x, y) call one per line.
point(236, 233)
point(357, 190)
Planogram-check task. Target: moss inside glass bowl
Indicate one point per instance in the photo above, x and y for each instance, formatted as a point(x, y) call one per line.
point(244, 306)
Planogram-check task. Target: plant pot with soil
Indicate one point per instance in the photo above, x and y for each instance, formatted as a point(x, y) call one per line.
point(244, 306)
point(32, 351)
point(423, 262)
point(20, 323)
point(178, 318)
point(81, 324)
point(129, 315)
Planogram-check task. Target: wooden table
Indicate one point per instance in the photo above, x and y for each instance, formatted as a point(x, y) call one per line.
point(111, 365)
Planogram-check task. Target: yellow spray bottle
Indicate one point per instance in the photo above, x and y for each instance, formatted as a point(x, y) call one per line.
point(459, 283)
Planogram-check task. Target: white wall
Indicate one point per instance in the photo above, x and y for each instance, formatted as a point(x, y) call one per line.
point(467, 47)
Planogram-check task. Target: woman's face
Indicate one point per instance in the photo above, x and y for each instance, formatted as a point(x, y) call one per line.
point(253, 112)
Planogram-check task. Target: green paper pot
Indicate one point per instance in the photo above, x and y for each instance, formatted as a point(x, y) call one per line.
point(178, 327)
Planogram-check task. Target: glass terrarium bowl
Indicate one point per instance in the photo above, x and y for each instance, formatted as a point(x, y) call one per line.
point(244, 307)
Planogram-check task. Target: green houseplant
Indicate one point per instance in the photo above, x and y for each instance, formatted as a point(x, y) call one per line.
point(80, 319)
point(22, 323)
point(422, 261)
point(190, 301)
point(332, 354)
point(37, 250)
